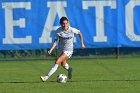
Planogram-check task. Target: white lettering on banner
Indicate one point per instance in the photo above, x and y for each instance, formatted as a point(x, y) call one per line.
point(55, 8)
point(58, 8)
point(99, 8)
point(10, 23)
point(129, 20)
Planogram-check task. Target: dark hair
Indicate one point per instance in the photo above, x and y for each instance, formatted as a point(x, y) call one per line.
point(62, 19)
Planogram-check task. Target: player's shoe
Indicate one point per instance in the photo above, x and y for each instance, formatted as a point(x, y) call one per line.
point(44, 78)
point(70, 73)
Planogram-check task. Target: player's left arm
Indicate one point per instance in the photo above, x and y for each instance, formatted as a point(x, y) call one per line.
point(81, 39)
point(76, 31)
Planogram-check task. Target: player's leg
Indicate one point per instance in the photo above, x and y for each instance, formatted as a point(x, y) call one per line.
point(51, 71)
point(66, 66)
point(54, 67)
point(58, 61)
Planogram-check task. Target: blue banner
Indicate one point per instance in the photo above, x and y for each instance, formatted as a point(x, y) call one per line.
point(30, 24)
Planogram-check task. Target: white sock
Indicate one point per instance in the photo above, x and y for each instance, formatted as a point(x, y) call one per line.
point(53, 69)
point(66, 66)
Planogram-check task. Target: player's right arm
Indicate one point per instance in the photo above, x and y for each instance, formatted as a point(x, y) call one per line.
point(53, 46)
point(56, 37)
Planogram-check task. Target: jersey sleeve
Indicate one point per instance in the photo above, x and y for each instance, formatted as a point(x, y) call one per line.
point(56, 37)
point(74, 30)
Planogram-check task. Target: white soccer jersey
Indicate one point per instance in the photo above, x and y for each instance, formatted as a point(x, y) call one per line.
point(66, 38)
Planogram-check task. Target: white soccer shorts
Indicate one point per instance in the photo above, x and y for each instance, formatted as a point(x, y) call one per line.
point(68, 53)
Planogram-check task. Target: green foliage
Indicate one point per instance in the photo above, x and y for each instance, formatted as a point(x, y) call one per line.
point(17, 54)
point(88, 52)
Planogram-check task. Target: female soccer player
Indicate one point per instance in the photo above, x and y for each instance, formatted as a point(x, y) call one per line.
point(65, 35)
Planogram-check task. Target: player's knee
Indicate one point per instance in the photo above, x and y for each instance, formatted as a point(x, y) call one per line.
point(58, 61)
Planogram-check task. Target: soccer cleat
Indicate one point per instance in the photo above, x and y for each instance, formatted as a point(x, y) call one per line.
point(44, 78)
point(70, 73)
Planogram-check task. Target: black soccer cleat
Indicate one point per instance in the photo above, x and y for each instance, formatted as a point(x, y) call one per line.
point(70, 73)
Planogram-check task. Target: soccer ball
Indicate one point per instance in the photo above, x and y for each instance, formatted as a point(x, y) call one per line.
point(61, 78)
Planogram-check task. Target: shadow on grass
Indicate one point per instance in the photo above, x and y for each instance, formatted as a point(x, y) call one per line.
point(71, 81)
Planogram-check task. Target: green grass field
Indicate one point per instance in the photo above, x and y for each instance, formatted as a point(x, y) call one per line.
point(89, 76)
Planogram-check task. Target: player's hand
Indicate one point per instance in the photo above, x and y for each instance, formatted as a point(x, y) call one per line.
point(83, 46)
point(49, 52)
